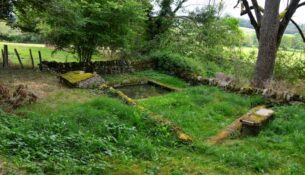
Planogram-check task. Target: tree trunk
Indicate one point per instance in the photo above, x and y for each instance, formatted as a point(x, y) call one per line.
point(267, 44)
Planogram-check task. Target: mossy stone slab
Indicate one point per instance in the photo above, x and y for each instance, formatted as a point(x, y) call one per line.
point(75, 77)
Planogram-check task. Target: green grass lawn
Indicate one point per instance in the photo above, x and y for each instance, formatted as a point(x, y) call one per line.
point(201, 111)
point(48, 54)
point(73, 131)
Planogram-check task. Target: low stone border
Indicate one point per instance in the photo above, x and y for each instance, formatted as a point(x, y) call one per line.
point(179, 133)
point(254, 116)
point(270, 94)
point(142, 82)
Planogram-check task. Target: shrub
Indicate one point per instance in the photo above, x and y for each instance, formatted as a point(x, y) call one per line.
point(289, 66)
point(174, 62)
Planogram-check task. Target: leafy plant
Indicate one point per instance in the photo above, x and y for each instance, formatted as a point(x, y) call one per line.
point(169, 61)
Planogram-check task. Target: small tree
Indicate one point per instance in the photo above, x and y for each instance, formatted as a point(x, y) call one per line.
point(81, 26)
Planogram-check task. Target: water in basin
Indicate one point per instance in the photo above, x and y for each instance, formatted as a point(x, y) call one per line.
point(143, 91)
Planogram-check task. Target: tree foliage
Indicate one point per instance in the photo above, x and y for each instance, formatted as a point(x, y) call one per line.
point(81, 26)
point(202, 35)
point(6, 10)
point(160, 22)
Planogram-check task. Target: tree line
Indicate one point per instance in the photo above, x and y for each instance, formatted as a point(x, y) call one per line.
point(133, 26)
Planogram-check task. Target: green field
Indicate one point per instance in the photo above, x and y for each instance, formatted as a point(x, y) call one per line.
point(249, 31)
point(48, 54)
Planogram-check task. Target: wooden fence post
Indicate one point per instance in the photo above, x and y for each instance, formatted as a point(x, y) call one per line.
point(2, 57)
point(5, 58)
point(19, 59)
point(32, 59)
point(40, 60)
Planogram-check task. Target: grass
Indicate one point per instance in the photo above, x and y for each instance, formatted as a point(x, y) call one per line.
point(148, 74)
point(277, 150)
point(201, 108)
point(78, 138)
point(48, 54)
point(202, 111)
point(71, 131)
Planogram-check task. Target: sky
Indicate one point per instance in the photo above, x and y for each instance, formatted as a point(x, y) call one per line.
point(229, 8)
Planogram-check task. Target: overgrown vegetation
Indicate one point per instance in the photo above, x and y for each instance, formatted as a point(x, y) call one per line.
point(80, 138)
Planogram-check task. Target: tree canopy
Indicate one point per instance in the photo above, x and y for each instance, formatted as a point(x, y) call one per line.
point(81, 26)
point(6, 8)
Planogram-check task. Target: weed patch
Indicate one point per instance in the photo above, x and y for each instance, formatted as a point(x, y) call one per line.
point(81, 139)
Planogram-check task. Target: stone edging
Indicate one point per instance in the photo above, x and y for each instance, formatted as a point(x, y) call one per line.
point(234, 127)
point(270, 94)
point(142, 82)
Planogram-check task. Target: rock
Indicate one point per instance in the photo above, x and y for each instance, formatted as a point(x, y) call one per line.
point(223, 84)
point(264, 112)
point(91, 82)
point(199, 78)
point(223, 80)
point(253, 124)
point(126, 82)
point(80, 79)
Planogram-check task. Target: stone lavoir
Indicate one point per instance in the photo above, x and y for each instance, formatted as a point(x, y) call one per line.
point(126, 66)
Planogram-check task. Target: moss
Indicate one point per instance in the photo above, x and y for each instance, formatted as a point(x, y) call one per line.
point(74, 77)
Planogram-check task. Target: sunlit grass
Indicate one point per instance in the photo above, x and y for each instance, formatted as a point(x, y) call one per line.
point(48, 54)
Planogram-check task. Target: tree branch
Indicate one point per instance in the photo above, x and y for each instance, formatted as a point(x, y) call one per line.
point(301, 4)
point(238, 2)
point(252, 19)
point(257, 12)
point(299, 29)
point(294, 4)
point(179, 6)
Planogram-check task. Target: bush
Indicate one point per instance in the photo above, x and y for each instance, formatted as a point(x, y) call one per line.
point(289, 67)
point(22, 38)
point(174, 62)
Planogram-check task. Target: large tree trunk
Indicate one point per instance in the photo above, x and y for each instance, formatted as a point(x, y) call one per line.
point(267, 44)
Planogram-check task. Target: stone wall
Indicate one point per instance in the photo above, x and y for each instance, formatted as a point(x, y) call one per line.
point(225, 83)
point(101, 67)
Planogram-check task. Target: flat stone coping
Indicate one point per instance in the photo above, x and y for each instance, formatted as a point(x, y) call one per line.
point(75, 77)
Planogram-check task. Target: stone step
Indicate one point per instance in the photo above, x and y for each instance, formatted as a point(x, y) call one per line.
point(249, 124)
point(254, 122)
